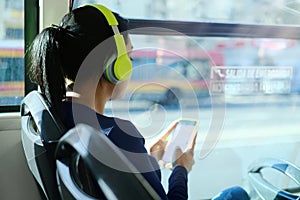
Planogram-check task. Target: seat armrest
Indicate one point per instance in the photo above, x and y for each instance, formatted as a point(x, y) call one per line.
point(264, 188)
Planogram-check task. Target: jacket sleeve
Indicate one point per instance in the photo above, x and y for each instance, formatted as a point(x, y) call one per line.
point(131, 143)
point(178, 184)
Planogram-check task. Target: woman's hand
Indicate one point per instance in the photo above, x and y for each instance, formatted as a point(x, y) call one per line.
point(157, 149)
point(184, 159)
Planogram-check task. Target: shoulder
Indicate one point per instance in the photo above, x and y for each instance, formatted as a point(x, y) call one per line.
point(124, 134)
point(121, 132)
point(127, 127)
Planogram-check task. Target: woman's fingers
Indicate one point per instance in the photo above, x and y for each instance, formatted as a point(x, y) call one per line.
point(184, 159)
point(168, 130)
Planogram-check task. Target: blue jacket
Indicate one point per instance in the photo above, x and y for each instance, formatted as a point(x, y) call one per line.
point(125, 135)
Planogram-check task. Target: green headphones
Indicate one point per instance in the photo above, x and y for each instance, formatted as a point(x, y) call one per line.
point(120, 68)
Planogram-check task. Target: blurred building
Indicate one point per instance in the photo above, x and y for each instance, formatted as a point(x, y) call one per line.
point(12, 19)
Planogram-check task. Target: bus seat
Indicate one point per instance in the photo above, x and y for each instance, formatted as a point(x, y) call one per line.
point(40, 132)
point(98, 154)
point(263, 188)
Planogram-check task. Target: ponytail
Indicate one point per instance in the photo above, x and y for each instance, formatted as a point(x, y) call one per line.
point(46, 68)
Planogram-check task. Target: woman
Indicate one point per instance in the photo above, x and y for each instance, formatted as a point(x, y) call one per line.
point(70, 63)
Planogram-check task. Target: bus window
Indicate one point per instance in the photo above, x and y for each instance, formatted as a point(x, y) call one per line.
point(249, 83)
point(11, 52)
point(215, 61)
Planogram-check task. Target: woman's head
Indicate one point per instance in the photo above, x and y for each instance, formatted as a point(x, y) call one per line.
point(90, 28)
point(58, 51)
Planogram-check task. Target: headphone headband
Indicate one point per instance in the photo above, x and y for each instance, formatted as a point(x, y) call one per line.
point(111, 19)
point(121, 68)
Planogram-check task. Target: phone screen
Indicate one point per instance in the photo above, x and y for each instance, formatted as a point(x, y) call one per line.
point(182, 137)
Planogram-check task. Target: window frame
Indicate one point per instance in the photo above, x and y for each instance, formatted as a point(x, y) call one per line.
point(211, 29)
point(197, 29)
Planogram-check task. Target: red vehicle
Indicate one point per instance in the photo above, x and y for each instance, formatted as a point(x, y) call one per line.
point(171, 76)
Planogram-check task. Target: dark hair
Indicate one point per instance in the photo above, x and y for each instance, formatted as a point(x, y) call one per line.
point(58, 51)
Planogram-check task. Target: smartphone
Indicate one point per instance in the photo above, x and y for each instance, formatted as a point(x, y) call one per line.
point(182, 137)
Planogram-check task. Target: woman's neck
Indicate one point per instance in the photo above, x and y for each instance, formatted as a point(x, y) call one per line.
point(103, 94)
point(95, 100)
point(99, 106)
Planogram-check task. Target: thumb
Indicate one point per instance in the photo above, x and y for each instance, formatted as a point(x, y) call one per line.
point(176, 155)
point(178, 152)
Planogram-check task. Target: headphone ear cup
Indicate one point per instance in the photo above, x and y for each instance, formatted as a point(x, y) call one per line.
point(122, 68)
point(119, 69)
point(109, 72)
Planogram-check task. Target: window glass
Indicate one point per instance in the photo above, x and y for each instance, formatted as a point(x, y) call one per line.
point(11, 52)
point(232, 11)
point(244, 91)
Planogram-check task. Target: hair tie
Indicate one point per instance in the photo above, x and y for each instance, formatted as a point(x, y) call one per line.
point(57, 27)
point(60, 30)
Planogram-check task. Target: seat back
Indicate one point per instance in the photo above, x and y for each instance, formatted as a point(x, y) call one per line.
point(104, 161)
point(40, 131)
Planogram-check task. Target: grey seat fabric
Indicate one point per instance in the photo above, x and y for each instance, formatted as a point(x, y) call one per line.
point(40, 131)
point(111, 170)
